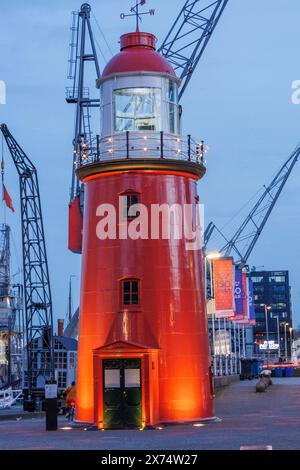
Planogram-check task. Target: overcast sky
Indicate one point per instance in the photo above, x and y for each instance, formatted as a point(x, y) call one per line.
point(239, 101)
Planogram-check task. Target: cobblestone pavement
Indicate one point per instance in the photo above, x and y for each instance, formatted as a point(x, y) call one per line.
point(248, 418)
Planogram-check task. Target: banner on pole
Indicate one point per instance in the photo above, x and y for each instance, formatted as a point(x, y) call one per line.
point(239, 293)
point(249, 319)
point(223, 287)
point(252, 319)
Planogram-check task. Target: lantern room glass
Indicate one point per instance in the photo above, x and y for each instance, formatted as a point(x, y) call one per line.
point(172, 102)
point(137, 109)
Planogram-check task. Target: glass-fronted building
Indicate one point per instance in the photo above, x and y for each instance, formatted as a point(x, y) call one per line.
point(273, 312)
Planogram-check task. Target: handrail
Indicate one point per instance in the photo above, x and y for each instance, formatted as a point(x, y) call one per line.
point(141, 145)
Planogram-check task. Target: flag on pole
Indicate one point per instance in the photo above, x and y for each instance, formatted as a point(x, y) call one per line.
point(7, 198)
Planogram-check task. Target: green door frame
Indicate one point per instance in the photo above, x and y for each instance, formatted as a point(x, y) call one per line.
point(122, 405)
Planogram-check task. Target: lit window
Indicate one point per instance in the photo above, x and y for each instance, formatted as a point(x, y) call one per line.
point(130, 292)
point(137, 109)
point(257, 278)
point(277, 279)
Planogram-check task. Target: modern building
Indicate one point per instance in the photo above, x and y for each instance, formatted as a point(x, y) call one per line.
point(143, 352)
point(273, 311)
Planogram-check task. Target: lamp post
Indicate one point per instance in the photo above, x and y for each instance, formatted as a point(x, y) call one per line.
point(267, 308)
point(209, 257)
point(285, 340)
point(291, 341)
point(278, 337)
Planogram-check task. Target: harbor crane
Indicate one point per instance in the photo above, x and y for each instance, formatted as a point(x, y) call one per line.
point(37, 292)
point(82, 51)
point(242, 243)
point(188, 37)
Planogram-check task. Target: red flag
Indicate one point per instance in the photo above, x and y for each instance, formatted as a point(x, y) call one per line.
point(7, 199)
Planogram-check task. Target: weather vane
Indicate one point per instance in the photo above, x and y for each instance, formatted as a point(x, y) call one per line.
point(135, 11)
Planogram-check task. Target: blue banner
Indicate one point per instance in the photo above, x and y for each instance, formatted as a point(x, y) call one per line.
point(238, 295)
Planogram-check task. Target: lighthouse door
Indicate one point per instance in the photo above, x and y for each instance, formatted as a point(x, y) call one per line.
point(122, 393)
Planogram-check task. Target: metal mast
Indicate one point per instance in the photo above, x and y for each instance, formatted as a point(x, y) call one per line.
point(4, 260)
point(6, 310)
point(189, 36)
point(246, 236)
point(37, 293)
point(78, 93)
point(10, 315)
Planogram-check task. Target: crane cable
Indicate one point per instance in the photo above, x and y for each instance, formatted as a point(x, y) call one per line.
point(105, 40)
point(102, 34)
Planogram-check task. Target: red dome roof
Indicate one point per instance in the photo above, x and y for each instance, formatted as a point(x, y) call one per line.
point(138, 54)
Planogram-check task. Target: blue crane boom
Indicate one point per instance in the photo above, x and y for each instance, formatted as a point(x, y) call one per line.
point(188, 37)
point(244, 239)
point(37, 292)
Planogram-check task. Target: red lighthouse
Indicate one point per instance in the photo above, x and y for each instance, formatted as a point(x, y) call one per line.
point(143, 341)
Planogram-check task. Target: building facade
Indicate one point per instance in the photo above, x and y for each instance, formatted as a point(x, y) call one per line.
point(65, 362)
point(273, 312)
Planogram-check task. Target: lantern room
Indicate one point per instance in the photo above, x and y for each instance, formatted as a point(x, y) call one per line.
point(139, 94)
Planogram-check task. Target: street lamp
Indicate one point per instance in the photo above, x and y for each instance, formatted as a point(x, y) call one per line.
point(278, 337)
point(285, 340)
point(267, 308)
point(291, 340)
point(209, 257)
point(213, 255)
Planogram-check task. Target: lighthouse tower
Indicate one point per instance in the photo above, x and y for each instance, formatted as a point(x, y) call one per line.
point(143, 352)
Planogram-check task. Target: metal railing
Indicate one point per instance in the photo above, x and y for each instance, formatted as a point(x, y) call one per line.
point(139, 145)
point(73, 93)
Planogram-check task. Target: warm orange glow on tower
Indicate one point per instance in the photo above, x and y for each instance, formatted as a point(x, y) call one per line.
point(142, 302)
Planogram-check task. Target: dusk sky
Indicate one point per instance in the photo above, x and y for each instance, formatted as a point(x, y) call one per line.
point(238, 101)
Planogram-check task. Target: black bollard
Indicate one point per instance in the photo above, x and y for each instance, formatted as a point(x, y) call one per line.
point(51, 406)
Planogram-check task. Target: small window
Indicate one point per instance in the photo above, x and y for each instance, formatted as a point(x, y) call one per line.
point(130, 292)
point(61, 379)
point(131, 200)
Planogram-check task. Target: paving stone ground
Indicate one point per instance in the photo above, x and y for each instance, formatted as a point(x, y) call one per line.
point(248, 418)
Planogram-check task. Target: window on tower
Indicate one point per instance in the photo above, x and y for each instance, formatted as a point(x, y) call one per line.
point(137, 109)
point(130, 291)
point(130, 199)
